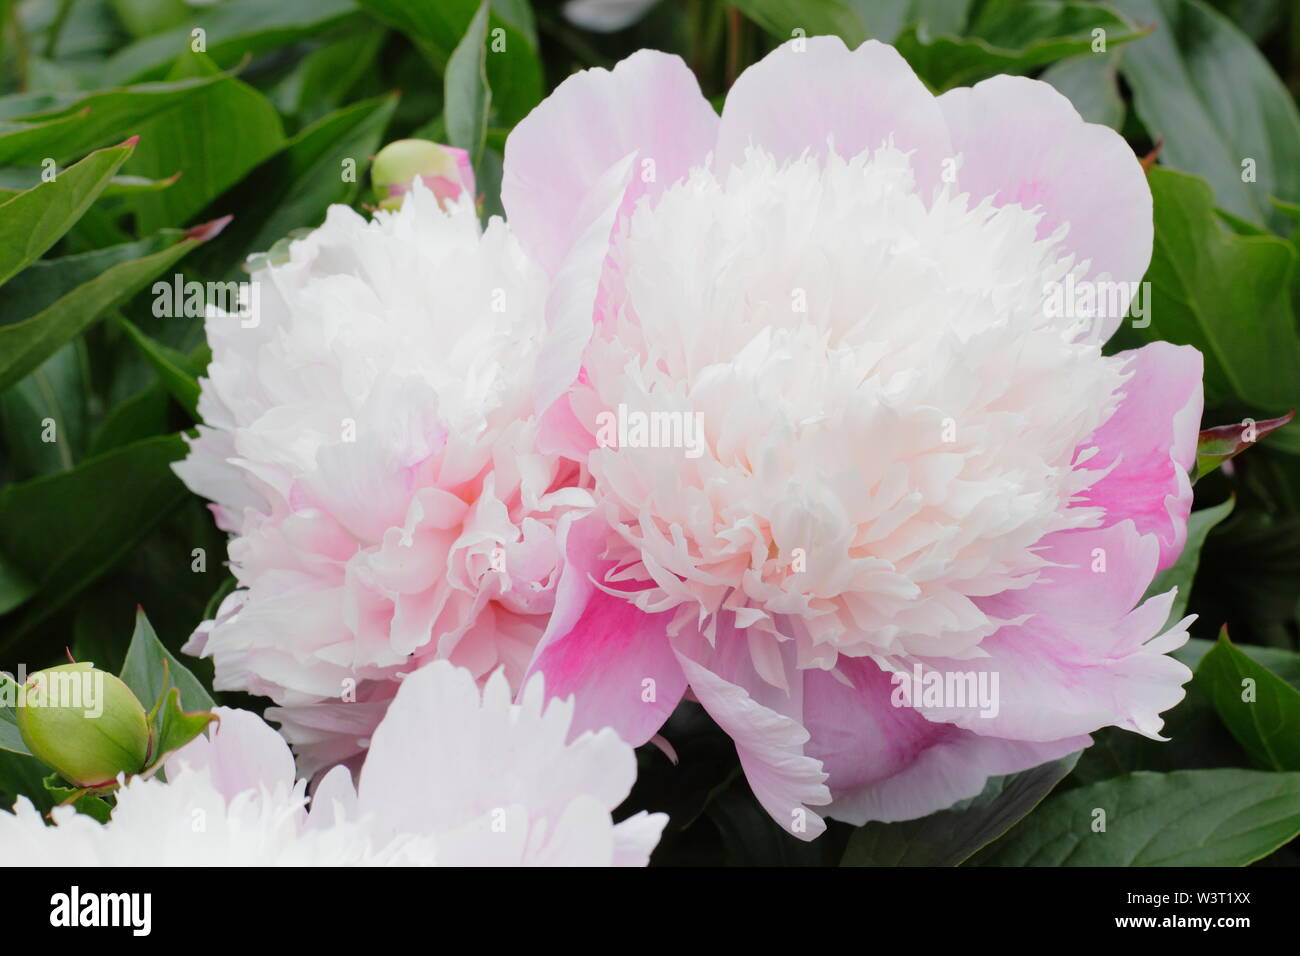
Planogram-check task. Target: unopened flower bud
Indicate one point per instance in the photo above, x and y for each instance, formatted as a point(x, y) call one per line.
point(444, 169)
point(84, 723)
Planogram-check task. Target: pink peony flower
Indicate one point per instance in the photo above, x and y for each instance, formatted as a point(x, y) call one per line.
point(369, 443)
point(849, 442)
point(454, 777)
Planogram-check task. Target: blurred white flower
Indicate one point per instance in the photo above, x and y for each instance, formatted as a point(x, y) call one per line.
point(606, 16)
point(453, 778)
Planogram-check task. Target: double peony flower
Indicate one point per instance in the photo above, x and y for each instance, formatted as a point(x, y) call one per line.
point(766, 410)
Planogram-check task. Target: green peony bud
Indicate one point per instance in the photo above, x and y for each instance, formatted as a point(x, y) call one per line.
point(444, 169)
point(84, 723)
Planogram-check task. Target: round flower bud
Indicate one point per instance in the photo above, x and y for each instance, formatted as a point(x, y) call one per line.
point(84, 723)
point(444, 169)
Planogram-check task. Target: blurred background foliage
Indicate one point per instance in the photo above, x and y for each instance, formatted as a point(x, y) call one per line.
point(257, 121)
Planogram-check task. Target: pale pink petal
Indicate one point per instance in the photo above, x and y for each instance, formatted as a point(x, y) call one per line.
point(1080, 660)
point(649, 105)
point(890, 763)
point(241, 753)
point(636, 837)
point(1021, 141)
point(334, 799)
point(571, 301)
point(332, 732)
point(1149, 445)
point(809, 90)
point(765, 723)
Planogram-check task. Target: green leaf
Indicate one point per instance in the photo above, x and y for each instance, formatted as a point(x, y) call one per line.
point(467, 92)
point(232, 30)
point(222, 134)
point(146, 17)
point(173, 727)
point(44, 415)
point(781, 18)
point(63, 126)
point(321, 80)
point(436, 27)
point(14, 180)
point(11, 739)
point(43, 283)
point(173, 367)
point(150, 669)
point(1204, 88)
point(27, 343)
point(1252, 573)
point(143, 415)
point(22, 775)
point(1281, 661)
point(1225, 294)
point(82, 799)
point(33, 221)
point(1091, 82)
point(1181, 573)
point(885, 19)
point(951, 836)
point(1187, 818)
point(15, 586)
point(1216, 445)
point(297, 186)
point(58, 531)
point(1263, 715)
point(1016, 39)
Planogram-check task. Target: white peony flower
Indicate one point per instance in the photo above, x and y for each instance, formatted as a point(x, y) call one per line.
point(453, 778)
point(369, 442)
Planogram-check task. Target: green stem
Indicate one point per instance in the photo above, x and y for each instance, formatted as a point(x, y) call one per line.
point(56, 28)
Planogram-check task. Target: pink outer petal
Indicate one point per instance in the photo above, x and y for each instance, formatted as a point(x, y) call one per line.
point(649, 105)
point(889, 763)
point(765, 723)
point(571, 303)
point(240, 752)
point(1080, 660)
point(1023, 142)
point(790, 102)
point(1149, 444)
point(602, 649)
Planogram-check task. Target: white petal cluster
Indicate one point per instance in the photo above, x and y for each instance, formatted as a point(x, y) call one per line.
point(890, 414)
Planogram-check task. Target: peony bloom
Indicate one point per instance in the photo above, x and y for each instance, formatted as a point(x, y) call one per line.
point(452, 778)
point(852, 436)
point(369, 443)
